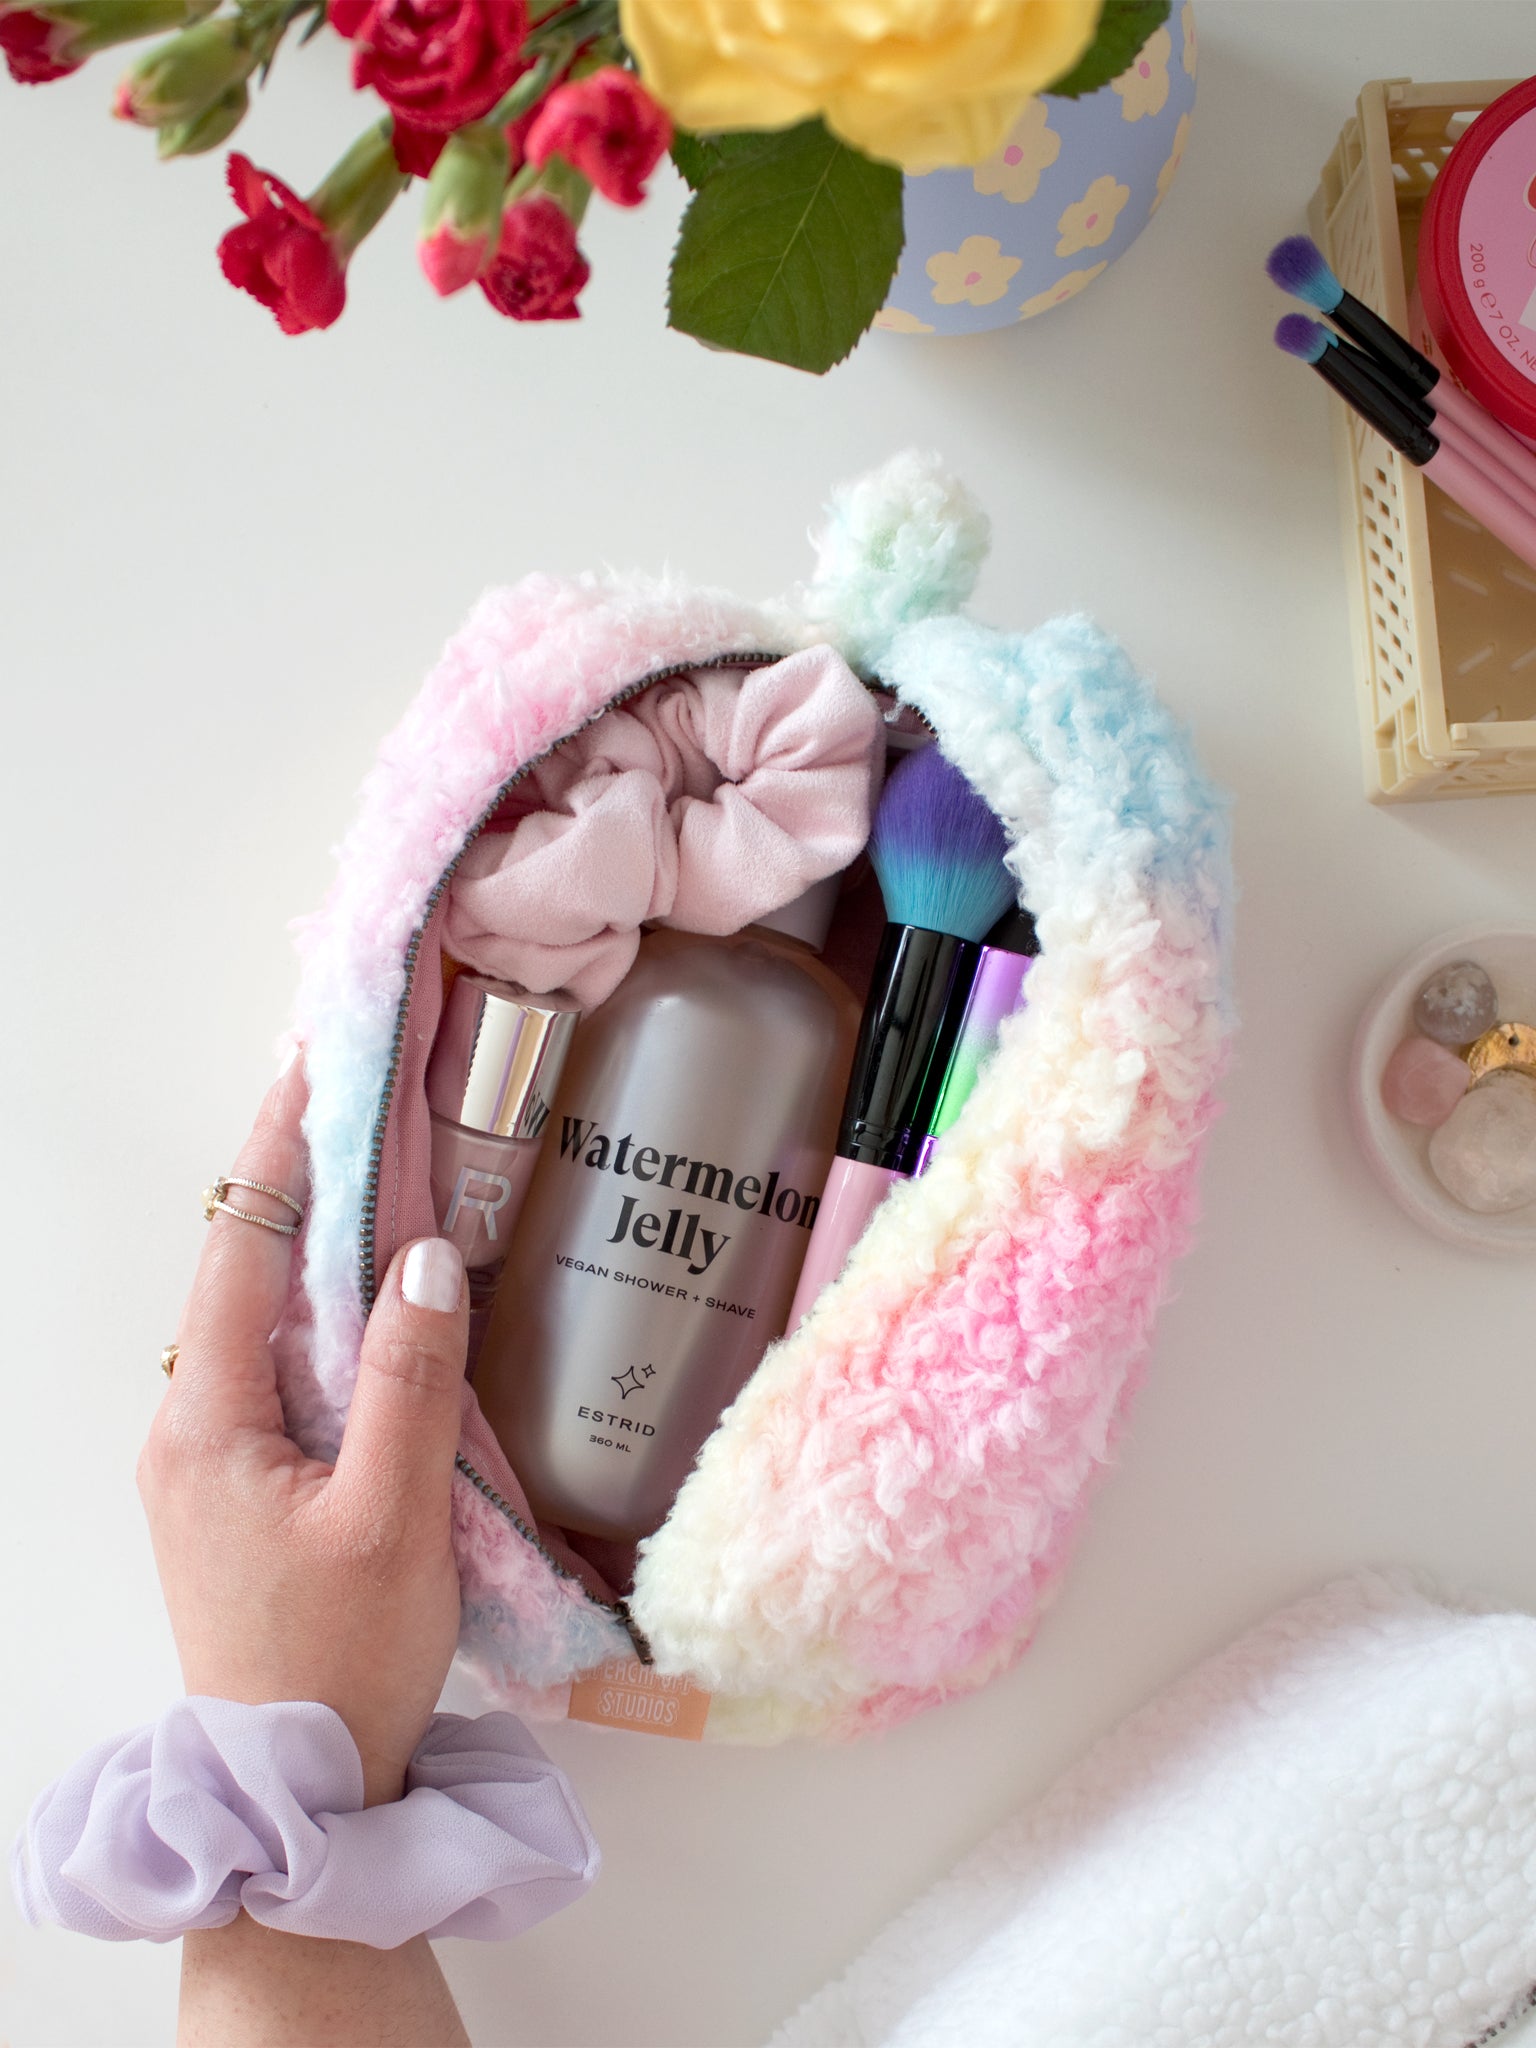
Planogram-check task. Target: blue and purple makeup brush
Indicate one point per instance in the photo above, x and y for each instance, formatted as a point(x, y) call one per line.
point(1405, 420)
point(937, 850)
point(1299, 267)
point(1437, 446)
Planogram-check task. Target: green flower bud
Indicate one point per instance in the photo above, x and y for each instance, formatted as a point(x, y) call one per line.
point(87, 26)
point(177, 81)
point(208, 129)
point(566, 185)
point(462, 216)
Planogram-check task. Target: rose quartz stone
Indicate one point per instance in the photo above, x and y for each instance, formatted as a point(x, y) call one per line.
point(1423, 1082)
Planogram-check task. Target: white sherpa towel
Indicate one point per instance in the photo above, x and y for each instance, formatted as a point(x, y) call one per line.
point(1326, 1835)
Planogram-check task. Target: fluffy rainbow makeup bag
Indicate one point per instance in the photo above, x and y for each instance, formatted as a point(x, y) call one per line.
point(877, 1520)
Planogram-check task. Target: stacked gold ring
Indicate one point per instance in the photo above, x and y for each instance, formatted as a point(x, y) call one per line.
point(215, 1198)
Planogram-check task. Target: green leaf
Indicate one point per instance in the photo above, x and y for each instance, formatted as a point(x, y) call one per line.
point(1123, 27)
point(696, 157)
point(788, 247)
point(700, 157)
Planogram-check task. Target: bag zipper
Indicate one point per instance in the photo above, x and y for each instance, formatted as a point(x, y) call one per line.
point(367, 1248)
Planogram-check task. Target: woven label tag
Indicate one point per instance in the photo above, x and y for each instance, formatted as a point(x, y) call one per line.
point(624, 1693)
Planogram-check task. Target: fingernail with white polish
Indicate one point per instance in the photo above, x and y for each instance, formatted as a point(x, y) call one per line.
point(290, 1054)
point(432, 1276)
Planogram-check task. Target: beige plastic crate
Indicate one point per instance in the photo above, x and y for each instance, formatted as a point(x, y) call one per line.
point(1444, 615)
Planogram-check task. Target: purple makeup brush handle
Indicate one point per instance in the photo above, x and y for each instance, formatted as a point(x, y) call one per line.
point(1460, 478)
point(1512, 455)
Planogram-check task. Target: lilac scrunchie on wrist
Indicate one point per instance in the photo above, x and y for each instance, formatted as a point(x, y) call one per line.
point(218, 1806)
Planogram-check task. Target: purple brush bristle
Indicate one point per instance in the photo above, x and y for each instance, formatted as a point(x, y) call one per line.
point(1298, 266)
point(938, 850)
point(1300, 336)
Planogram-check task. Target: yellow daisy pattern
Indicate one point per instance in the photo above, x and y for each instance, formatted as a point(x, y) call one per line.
point(1191, 47)
point(894, 321)
point(1143, 85)
point(1032, 147)
point(1091, 219)
point(1066, 287)
point(977, 273)
point(1169, 172)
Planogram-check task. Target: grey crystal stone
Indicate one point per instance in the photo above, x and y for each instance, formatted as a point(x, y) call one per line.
point(1457, 1004)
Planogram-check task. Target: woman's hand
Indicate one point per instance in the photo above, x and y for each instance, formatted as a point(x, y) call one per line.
point(287, 1579)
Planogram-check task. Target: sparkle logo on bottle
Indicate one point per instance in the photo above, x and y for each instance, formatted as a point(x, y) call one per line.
point(496, 1192)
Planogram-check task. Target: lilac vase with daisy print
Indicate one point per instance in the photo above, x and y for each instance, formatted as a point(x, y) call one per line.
point(1070, 190)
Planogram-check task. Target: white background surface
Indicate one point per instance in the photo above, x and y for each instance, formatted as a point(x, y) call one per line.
point(227, 557)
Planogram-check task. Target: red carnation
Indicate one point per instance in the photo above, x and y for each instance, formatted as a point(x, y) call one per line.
point(416, 149)
point(606, 126)
point(537, 272)
point(435, 63)
point(36, 50)
point(281, 253)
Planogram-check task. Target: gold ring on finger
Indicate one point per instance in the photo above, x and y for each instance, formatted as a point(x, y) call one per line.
point(215, 1198)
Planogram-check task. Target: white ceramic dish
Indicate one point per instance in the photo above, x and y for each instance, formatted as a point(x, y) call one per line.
point(1399, 1152)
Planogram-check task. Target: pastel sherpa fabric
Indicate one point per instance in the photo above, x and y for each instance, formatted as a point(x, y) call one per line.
point(530, 667)
point(1326, 1835)
point(880, 1515)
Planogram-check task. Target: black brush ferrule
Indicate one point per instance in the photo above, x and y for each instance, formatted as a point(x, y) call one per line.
point(1387, 381)
point(1384, 342)
point(917, 999)
point(1391, 417)
point(1014, 932)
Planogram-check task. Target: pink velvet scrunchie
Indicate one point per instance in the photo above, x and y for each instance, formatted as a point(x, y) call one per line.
point(706, 803)
point(218, 1806)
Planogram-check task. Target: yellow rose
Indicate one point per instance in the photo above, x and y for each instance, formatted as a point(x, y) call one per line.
point(922, 83)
